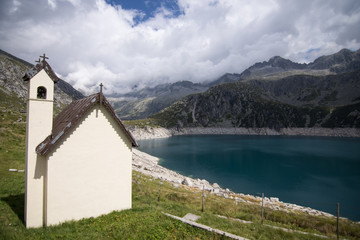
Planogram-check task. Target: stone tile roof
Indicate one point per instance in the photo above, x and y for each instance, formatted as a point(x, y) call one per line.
point(71, 115)
point(37, 68)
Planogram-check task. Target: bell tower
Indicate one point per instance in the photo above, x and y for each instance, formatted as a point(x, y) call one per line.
point(40, 101)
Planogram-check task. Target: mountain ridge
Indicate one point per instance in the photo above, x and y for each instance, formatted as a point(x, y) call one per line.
point(275, 69)
point(330, 98)
point(324, 93)
point(240, 104)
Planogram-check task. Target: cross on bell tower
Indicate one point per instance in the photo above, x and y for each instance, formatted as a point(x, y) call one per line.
point(43, 59)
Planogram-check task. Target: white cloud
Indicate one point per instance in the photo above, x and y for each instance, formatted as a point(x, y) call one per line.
point(89, 42)
point(52, 4)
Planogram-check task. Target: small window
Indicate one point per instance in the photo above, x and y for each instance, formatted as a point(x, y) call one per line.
point(41, 93)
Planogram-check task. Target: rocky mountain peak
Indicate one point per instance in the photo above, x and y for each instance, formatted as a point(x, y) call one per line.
point(342, 61)
point(285, 64)
point(277, 62)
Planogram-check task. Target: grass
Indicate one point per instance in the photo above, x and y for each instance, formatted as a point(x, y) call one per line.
point(146, 219)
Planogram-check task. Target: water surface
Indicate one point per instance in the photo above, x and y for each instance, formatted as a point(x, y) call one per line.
point(316, 172)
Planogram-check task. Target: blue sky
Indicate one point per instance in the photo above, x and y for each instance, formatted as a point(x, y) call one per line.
point(127, 43)
point(148, 7)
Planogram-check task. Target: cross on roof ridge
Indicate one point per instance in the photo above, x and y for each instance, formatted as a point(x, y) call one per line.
point(44, 57)
point(100, 94)
point(101, 86)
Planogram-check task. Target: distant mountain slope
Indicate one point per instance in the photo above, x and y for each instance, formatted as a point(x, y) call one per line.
point(343, 61)
point(148, 101)
point(12, 69)
point(308, 90)
point(328, 81)
point(277, 67)
point(277, 94)
point(240, 104)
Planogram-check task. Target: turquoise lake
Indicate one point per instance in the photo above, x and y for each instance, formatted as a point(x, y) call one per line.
point(316, 172)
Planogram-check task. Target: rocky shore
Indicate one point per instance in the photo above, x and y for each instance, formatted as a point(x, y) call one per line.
point(147, 164)
point(151, 132)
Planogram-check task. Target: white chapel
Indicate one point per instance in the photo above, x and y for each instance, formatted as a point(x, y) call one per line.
point(79, 164)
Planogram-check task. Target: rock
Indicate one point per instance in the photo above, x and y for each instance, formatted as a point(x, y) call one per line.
point(148, 169)
point(216, 190)
point(187, 182)
point(138, 165)
point(209, 188)
point(215, 185)
point(274, 199)
point(239, 199)
point(149, 132)
point(203, 181)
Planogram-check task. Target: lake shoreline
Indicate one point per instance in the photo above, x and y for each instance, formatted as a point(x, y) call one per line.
point(158, 132)
point(148, 165)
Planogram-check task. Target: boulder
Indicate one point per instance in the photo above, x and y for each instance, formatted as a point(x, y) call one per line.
point(239, 199)
point(215, 185)
point(187, 182)
point(216, 190)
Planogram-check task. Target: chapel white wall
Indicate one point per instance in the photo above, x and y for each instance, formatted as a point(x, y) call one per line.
point(38, 127)
point(89, 173)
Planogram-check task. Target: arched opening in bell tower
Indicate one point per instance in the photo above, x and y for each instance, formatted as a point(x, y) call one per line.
point(41, 92)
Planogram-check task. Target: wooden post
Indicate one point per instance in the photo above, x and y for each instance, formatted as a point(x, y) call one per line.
point(337, 221)
point(236, 203)
point(202, 200)
point(159, 190)
point(262, 208)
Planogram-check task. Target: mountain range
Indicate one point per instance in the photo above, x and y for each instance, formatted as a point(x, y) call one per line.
point(148, 101)
point(276, 93)
point(328, 81)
